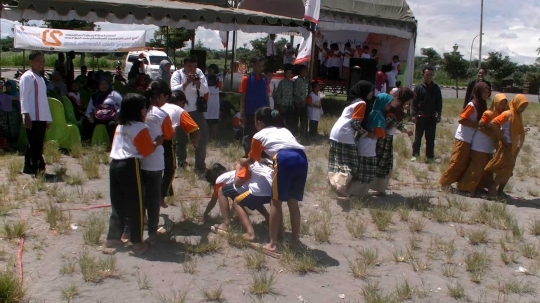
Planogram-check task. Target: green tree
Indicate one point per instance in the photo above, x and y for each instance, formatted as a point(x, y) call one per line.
point(72, 24)
point(455, 66)
point(171, 39)
point(432, 57)
point(6, 44)
point(259, 49)
point(499, 67)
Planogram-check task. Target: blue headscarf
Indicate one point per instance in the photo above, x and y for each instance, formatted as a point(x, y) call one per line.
point(14, 89)
point(377, 116)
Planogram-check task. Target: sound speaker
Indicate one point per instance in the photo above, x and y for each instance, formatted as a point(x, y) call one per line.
point(355, 75)
point(200, 54)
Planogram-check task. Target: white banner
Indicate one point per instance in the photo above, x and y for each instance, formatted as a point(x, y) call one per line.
point(313, 10)
point(304, 55)
point(60, 40)
point(224, 36)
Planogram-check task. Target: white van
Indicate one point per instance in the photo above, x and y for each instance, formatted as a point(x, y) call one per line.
point(151, 58)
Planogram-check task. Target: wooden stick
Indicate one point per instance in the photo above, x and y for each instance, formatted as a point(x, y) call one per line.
point(260, 248)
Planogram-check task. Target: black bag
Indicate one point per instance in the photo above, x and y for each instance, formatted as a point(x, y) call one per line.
point(202, 105)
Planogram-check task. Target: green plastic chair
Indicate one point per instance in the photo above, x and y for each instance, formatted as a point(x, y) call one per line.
point(66, 135)
point(402, 68)
point(100, 137)
point(52, 94)
point(70, 112)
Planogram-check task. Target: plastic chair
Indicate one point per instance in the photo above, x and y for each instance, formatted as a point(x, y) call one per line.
point(402, 68)
point(70, 112)
point(66, 135)
point(52, 94)
point(101, 136)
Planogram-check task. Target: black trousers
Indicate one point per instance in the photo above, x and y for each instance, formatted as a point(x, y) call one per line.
point(33, 158)
point(170, 169)
point(427, 126)
point(151, 188)
point(270, 64)
point(313, 128)
point(301, 120)
point(249, 131)
point(88, 129)
point(126, 199)
point(333, 73)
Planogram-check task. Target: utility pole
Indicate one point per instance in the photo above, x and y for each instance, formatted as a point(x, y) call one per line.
point(481, 19)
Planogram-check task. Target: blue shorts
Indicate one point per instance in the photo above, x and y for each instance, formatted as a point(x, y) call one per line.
point(250, 201)
point(290, 175)
point(229, 191)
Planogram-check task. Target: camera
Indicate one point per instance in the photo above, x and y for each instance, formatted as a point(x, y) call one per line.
point(194, 77)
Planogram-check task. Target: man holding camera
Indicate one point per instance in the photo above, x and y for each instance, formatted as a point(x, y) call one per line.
point(192, 82)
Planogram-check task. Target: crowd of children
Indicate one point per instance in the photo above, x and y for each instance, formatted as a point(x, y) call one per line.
point(487, 143)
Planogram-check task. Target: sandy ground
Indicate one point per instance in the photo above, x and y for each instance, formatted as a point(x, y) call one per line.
point(437, 247)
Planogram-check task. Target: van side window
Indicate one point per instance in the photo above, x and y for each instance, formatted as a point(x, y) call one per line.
point(133, 58)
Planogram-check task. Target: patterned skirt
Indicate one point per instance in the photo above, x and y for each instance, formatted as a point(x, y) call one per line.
point(342, 158)
point(385, 157)
point(366, 169)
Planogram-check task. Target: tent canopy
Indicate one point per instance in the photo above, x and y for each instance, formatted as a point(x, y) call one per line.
point(159, 12)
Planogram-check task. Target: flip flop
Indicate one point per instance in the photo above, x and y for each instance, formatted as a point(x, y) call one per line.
point(215, 229)
point(267, 252)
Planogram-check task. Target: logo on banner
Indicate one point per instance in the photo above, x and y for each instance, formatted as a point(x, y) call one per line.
point(51, 35)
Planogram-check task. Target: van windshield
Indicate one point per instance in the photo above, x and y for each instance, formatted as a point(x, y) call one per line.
point(156, 60)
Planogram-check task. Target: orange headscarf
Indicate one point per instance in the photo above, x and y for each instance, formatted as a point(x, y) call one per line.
point(517, 132)
point(493, 111)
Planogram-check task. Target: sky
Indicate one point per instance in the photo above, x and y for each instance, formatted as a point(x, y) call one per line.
point(511, 27)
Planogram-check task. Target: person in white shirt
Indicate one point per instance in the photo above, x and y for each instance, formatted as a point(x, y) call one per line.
point(288, 54)
point(192, 82)
point(392, 75)
point(314, 109)
point(35, 112)
point(365, 52)
point(271, 87)
point(271, 53)
point(212, 113)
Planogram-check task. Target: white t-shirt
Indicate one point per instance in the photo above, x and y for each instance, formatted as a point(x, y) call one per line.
point(365, 56)
point(367, 147)
point(272, 86)
point(337, 60)
point(178, 79)
point(314, 113)
point(37, 108)
point(76, 96)
point(260, 183)
point(154, 119)
point(273, 139)
point(322, 55)
point(226, 178)
point(212, 113)
point(174, 111)
point(391, 81)
point(347, 54)
point(465, 133)
point(270, 48)
point(483, 143)
point(342, 131)
point(125, 138)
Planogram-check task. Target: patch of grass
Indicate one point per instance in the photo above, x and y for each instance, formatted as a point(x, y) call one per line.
point(57, 218)
point(420, 265)
point(382, 218)
point(404, 291)
point(403, 214)
point(74, 180)
point(90, 166)
point(213, 295)
point(76, 151)
point(356, 227)
point(417, 225)
point(89, 268)
point(143, 281)
point(262, 283)
point(108, 268)
point(476, 263)
point(530, 251)
point(190, 264)
point(535, 226)
point(5, 204)
point(373, 294)
point(322, 231)
point(176, 296)
point(495, 214)
point(399, 255)
point(190, 209)
point(419, 202)
point(509, 258)
point(235, 239)
point(204, 247)
point(456, 291)
point(517, 231)
point(449, 270)
point(478, 236)
point(15, 230)
point(11, 290)
point(513, 286)
point(94, 227)
point(255, 260)
point(51, 152)
point(301, 261)
point(68, 266)
point(70, 292)
point(14, 167)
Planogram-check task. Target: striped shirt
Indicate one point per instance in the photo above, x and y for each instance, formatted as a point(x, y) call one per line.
point(33, 96)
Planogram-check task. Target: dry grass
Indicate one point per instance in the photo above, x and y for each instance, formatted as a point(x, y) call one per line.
point(478, 236)
point(176, 296)
point(70, 292)
point(477, 263)
point(456, 291)
point(58, 219)
point(213, 295)
point(255, 260)
point(94, 227)
point(204, 247)
point(262, 283)
point(15, 230)
point(356, 227)
point(301, 261)
point(417, 225)
point(11, 290)
point(190, 264)
point(95, 270)
point(382, 218)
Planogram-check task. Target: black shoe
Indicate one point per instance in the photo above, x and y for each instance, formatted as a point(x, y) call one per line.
point(29, 171)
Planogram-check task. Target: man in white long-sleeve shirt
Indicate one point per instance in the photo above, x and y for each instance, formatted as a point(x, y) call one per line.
point(190, 79)
point(35, 112)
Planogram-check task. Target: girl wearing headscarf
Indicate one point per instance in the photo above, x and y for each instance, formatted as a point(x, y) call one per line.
point(367, 146)
point(482, 147)
point(15, 115)
point(380, 83)
point(164, 72)
point(510, 134)
point(104, 97)
point(385, 148)
point(468, 124)
point(343, 156)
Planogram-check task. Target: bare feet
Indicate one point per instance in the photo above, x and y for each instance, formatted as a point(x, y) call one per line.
point(125, 238)
point(220, 228)
point(249, 237)
point(270, 247)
